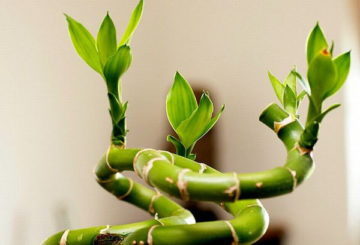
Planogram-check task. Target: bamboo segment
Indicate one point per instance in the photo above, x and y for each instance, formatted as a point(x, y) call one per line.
point(189, 180)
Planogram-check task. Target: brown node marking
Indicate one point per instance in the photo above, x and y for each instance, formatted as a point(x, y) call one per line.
point(222, 205)
point(293, 176)
point(153, 198)
point(233, 233)
point(170, 180)
point(106, 239)
point(149, 236)
point(131, 185)
point(235, 189)
point(105, 230)
point(141, 243)
point(182, 185)
point(283, 123)
point(148, 166)
point(203, 168)
point(134, 242)
point(136, 157)
point(302, 150)
point(64, 236)
point(259, 185)
point(107, 161)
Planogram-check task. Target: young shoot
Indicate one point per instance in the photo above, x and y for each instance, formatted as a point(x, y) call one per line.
point(110, 59)
point(189, 120)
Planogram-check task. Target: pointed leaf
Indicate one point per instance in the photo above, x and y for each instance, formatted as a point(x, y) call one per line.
point(106, 39)
point(316, 42)
point(291, 81)
point(191, 129)
point(133, 23)
point(213, 121)
point(331, 49)
point(277, 85)
point(304, 84)
point(180, 101)
point(180, 149)
point(300, 98)
point(342, 64)
point(116, 66)
point(289, 100)
point(322, 76)
point(84, 44)
point(323, 114)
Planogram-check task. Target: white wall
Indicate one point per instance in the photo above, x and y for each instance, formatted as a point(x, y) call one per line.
point(55, 124)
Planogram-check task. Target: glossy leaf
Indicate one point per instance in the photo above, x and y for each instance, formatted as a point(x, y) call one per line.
point(133, 23)
point(291, 81)
point(106, 39)
point(180, 150)
point(303, 83)
point(84, 44)
point(213, 121)
point(289, 100)
point(316, 43)
point(192, 129)
point(342, 64)
point(180, 101)
point(300, 98)
point(322, 76)
point(323, 114)
point(116, 66)
point(277, 85)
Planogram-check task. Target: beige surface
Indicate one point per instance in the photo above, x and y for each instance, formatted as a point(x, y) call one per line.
point(55, 125)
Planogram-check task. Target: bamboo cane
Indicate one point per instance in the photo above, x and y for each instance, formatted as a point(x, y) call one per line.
point(179, 175)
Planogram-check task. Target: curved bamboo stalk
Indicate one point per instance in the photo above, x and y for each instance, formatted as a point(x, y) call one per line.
point(189, 180)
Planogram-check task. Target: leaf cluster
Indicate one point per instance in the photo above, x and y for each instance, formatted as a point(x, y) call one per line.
point(325, 76)
point(190, 120)
point(110, 59)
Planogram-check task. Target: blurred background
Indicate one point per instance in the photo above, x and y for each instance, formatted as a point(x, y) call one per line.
point(55, 124)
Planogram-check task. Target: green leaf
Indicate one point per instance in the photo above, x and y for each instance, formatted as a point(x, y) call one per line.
point(320, 117)
point(133, 23)
point(322, 76)
point(300, 98)
point(291, 81)
point(116, 66)
point(84, 44)
point(180, 101)
point(191, 129)
point(304, 84)
point(316, 42)
point(106, 39)
point(277, 85)
point(213, 121)
point(342, 64)
point(289, 100)
point(331, 49)
point(180, 149)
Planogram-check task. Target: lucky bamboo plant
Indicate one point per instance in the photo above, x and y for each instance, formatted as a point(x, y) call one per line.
point(179, 174)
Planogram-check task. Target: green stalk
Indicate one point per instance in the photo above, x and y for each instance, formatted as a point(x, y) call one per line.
point(189, 180)
point(313, 112)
